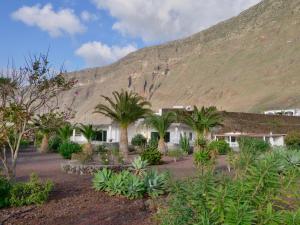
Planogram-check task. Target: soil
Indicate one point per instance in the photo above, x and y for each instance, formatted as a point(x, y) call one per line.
point(73, 201)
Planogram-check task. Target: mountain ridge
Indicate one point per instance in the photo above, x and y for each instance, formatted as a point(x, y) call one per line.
point(247, 63)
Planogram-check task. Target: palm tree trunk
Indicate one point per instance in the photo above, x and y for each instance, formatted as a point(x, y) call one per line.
point(45, 144)
point(162, 146)
point(124, 143)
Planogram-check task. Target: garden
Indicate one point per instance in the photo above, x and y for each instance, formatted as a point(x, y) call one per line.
point(48, 179)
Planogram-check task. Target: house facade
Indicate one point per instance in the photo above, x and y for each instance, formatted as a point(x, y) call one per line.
point(271, 128)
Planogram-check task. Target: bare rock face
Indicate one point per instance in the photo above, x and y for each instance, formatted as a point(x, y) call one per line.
point(248, 63)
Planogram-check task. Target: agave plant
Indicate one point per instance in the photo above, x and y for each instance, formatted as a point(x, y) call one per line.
point(139, 166)
point(134, 187)
point(101, 179)
point(156, 183)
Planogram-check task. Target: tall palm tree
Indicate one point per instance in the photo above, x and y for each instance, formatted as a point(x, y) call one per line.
point(88, 132)
point(203, 120)
point(124, 108)
point(161, 124)
point(65, 132)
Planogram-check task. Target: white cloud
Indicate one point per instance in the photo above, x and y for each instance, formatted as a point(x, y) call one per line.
point(86, 16)
point(98, 54)
point(163, 20)
point(56, 23)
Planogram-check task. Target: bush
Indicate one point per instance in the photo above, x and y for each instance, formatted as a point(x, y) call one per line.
point(66, 149)
point(202, 157)
point(82, 157)
point(5, 187)
point(292, 140)
point(101, 179)
point(24, 143)
point(254, 145)
point(139, 140)
point(221, 147)
point(259, 196)
point(131, 185)
point(32, 192)
point(184, 144)
point(177, 154)
point(54, 143)
point(156, 184)
point(201, 143)
point(151, 155)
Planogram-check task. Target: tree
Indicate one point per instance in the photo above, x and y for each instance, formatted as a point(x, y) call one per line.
point(89, 133)
point(65, 132)
point(25, 92)
point(124, 108)
point(202, 121)
point(48, 124)
point(161, 124)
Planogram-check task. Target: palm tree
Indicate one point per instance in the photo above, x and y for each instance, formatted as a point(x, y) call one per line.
point(161, 124)
point(203, 120)
point(124, 108)
point(88, 132)
point(65, 132)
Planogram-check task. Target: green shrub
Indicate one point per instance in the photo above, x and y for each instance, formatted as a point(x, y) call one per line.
point(24, 143)
point(139, 166)
point(101, 179)
point(259, 196)
point(66, 149)
point(177, 154)
point(253, 145)
point(202, 157)
point(82, 157)
point(201, 143)
point(131, 185)
point(151, 155)
point(32, 192)
point(184, 144)
point(139, 140)
point(5, 188)
point(292, 140)
point(156, 184)
point(221, 147)
point(116, 183)
point(54, 143)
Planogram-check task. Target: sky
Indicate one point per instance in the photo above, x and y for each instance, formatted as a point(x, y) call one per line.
point(88, 33)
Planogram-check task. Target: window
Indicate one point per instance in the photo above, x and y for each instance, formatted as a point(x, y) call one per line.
point(77, 133)
point(233, 139)
point(155, 135)
point(100, 135)
point(190, 136)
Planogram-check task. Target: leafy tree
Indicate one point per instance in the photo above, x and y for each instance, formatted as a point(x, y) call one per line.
point(161, 124)
point(24, 93)
point(48, 124)
point(124, 108)
point(202, 121)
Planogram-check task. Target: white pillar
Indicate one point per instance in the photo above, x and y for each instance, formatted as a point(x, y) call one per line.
point(73, 135)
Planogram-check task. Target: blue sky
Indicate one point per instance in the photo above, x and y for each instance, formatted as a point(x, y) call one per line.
point(88, 33)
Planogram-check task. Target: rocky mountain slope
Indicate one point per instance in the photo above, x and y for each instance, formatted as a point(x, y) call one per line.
point(248, 63)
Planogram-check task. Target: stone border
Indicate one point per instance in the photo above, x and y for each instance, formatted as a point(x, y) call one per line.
point(75, 167)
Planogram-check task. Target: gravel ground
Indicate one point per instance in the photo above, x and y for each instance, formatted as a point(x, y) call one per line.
point(74, 202)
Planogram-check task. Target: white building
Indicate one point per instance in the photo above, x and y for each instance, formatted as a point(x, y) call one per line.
point(232, 138)
point(285, 112)
point(270, 128)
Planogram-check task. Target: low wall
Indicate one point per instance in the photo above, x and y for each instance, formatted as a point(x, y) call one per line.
point(75, 167)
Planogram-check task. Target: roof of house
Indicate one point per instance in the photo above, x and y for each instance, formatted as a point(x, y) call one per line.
point(258, 123)
point(253, 123)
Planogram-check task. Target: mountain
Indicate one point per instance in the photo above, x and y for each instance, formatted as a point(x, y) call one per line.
point(248, 63)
